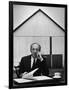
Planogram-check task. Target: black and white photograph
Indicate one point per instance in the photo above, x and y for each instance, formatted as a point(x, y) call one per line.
point(37, 44)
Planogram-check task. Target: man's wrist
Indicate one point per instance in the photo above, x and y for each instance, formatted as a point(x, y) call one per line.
point(41, 59)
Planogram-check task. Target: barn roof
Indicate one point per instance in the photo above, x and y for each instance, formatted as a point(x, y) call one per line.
point(39, 10)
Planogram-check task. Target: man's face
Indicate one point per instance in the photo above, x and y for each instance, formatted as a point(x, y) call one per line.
point(35, 50)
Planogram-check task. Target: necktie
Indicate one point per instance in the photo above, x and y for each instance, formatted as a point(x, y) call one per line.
point(34, 62)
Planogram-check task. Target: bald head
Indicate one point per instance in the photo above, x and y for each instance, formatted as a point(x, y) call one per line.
point(35, 49)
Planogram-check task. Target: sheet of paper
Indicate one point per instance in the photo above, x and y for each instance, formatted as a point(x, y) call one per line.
point(30, 74)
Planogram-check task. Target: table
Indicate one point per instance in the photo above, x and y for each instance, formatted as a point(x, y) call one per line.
point(35, 81)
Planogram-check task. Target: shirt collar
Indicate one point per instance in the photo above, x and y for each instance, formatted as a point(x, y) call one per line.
point(33, 57)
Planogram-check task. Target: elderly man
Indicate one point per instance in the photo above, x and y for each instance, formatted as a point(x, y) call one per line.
point(33, 61)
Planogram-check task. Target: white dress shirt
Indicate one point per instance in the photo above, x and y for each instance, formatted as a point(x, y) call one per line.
point(32, 60)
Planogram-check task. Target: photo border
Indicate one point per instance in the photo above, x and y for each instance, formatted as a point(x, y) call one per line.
point(35, 84)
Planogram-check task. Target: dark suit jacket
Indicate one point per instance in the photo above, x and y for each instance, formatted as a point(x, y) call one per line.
point(25, 66)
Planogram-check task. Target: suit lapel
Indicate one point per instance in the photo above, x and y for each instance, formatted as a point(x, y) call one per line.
point(29, 63)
